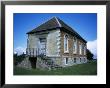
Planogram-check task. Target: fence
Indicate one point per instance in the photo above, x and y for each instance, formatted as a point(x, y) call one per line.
point(33, 52)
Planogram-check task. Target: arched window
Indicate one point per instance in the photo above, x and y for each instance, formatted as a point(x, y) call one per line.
point(74, 45)
point(80, 48)
point(66, 43)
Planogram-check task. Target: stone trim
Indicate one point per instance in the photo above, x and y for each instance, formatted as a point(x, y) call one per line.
point(58, 22)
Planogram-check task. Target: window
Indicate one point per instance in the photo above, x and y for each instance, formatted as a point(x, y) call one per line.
point(84, 50)
point(66, 60)
point(42, 46)
point(84, 59)
point(66, 43)
point(74, 60)
point(74, 45)
point(80, 49)
point(42, 39)
point(80, 59)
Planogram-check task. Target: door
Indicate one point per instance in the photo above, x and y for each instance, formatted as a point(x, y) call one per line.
point(42, 46)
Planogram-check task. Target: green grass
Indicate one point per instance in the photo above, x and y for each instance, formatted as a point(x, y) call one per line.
point(89, 68)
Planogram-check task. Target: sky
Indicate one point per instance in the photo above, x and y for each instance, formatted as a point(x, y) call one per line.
point(83, 23)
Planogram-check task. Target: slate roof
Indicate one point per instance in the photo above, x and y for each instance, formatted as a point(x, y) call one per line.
point(53, 23)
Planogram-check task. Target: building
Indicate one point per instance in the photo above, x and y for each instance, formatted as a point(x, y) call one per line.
point(56, 41)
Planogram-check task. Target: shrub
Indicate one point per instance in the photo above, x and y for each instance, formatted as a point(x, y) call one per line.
point(18, 58)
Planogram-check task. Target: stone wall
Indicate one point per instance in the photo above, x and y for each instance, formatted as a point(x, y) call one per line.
point(25, 63)
point(60, 61)
point(53, 43)
point(28, 63)
point(55, 48)
point(56, 60)
point(33, 40)
point(70, 45)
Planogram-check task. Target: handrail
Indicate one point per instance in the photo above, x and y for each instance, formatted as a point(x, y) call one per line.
point(34, 52)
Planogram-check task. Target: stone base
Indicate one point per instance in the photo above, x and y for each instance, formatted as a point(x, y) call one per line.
point(58, 61)
point(25, 63)
point(68, 61)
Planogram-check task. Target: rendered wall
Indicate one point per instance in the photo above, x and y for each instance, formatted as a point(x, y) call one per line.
point(33, 41)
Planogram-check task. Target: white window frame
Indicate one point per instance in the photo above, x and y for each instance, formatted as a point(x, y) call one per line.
point(80, 49)
point(66, 51)
point(74, 44)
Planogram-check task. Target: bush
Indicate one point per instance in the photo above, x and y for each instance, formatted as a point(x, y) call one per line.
point(18, 58)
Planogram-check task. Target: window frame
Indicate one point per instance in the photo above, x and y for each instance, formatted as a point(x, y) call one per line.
point(85, 49)
point(80, 48)
point(66, 51)
point(74, 45)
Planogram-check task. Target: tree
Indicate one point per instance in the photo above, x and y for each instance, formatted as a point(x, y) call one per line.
point(89, 55)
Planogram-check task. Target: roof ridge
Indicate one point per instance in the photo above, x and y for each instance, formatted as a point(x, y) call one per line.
point(56, 18)
point(45, 22)
point(49, 20)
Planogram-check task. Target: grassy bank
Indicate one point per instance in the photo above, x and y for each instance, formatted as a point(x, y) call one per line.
point(89, 68)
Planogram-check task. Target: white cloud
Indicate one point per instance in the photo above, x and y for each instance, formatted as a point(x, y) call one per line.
point(92, 46)
point(19, 50)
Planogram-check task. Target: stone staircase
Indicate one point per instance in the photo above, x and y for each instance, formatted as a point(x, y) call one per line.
point(44, 62)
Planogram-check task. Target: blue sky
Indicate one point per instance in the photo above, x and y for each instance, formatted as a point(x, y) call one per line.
point(83, 23)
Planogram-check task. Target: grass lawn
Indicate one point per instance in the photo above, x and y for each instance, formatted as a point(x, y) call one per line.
point(89, 68)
